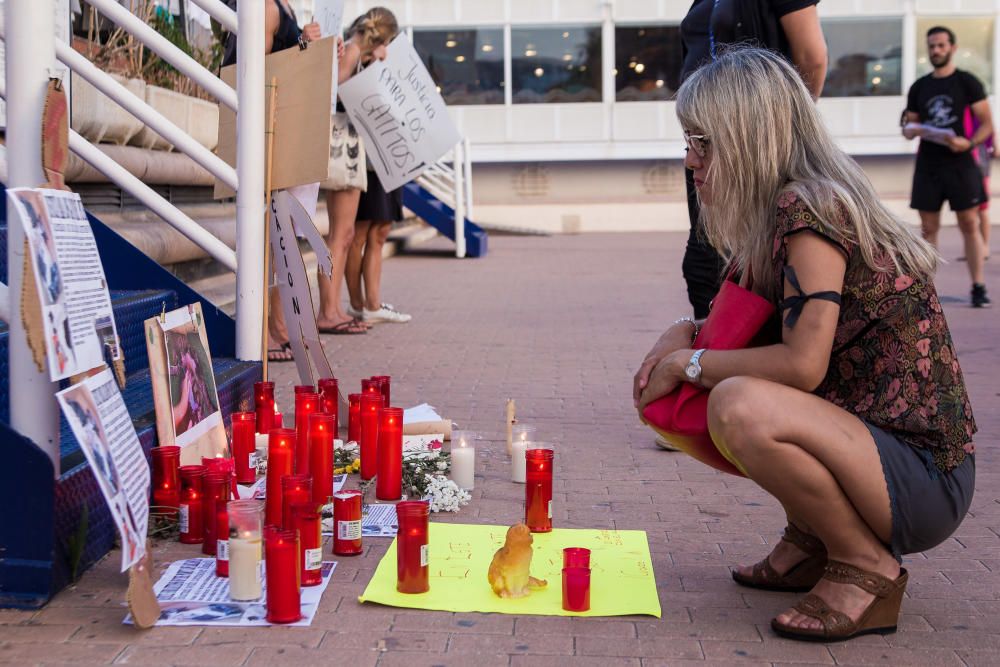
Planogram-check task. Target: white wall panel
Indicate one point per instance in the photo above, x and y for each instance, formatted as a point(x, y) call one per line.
point(433, 12)
point(484, 124)
point(533, 122)
point(476, 12)
point(577, 10)
point(581, 122)
point(637, 121)
point(526, 11)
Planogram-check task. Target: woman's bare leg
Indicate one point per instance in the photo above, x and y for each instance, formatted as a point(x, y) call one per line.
point(352, 272)
point(341, 207)
point(821, 463)
point(372, 266)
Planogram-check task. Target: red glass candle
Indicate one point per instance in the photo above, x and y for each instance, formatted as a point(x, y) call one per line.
point(329, 400)
point(244, 446)
point(353, 417)
point(294, 489)
point(216, 492)
point(166, 479)
point(305, 519)
point(538, 490)
point(221, 539)
point(281, 552)
point(576, 588)
point(305, 404)
point(389, 482)
point(304, 389)
point(576, 557)
point(321, 430)
point(371, 404)
point(347, 523)
point(280, 452)
point(412, 555)
point(384, 382)
point(191, 531)
point(370, 386)
point(278, 421)
point(263, 405)
point(224, 465)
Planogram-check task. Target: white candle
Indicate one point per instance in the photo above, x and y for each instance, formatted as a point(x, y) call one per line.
point(463, 464)
point(244, 568)
point(518, 447)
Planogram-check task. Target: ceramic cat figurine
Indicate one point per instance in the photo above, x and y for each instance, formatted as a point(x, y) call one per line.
point(509, 572)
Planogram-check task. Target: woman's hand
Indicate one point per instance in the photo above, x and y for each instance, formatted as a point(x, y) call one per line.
point(677, 337)
point(666, 376)
point(311, 32)
point(340, 48)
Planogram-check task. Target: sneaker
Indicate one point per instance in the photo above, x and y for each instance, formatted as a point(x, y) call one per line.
point(355, 313)
point(979, 298)
point(385, 314)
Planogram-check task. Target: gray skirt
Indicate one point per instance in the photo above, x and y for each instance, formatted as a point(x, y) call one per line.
point(927, 505)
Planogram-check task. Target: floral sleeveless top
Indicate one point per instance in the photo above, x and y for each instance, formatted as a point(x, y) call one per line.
point(893, 362)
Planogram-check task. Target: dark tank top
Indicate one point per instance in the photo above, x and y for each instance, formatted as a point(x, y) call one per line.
point(285, 37)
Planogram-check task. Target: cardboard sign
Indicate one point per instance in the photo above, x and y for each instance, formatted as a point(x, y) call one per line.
point(396, 107)
point(296, 297)
point(101, 423)
point(76, 311)
point(302, 123)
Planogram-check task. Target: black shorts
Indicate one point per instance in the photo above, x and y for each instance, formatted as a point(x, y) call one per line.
point(961, 186)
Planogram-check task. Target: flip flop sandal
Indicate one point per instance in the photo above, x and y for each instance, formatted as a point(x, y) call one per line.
point(347, 328)
point(280, 354)
point(880, 617)
point(800, 578)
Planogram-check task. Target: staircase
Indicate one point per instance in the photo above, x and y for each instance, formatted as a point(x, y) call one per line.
point(441, 216)
point(54, 529)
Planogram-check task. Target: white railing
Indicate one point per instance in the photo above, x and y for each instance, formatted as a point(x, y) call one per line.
point(31, 52)
point(450, 180)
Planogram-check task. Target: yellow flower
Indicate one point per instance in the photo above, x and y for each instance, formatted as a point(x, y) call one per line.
point(357, 463)
point(338, 471)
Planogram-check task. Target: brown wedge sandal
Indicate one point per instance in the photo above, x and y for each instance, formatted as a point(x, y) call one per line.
point(800, 578)
point(880, 617)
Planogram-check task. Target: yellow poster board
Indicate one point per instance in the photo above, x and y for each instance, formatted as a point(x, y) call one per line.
point(621, 580)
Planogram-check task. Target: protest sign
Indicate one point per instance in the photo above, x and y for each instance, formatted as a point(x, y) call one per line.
point(402, 117)
point(73, 294)
point(329, 14)
point(101, 423)
point(293, 285)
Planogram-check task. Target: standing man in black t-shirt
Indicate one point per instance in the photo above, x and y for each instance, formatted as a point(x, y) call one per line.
point(946, 169)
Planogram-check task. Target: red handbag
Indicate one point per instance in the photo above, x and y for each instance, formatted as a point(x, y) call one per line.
point(681, 417)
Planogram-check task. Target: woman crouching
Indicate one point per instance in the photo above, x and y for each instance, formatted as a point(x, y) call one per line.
point(857, 421)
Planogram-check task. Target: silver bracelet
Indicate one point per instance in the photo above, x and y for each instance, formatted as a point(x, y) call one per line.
point(697, 327)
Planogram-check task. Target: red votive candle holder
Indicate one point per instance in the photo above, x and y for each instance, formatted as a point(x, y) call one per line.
point(576, 557)
point(244, 446)
point(221, 539)
point(263, 405)
point(191, 531)
point(538, 490)
point(166, 481)
point(224, 465)
point(304, 389)
point(370, 386)
point(576, 588)
point(384, 384)
point(389, 481)
point(371, 404)
point(281, 552)
point(353, 417)
point(412, 556)
point(278, 421)
point(216, 492)
point(306, 403)
point(305, 519)
point(295, 489)
point(329, 399)
point(280, 462)
point(347, 523)
point(321, 431)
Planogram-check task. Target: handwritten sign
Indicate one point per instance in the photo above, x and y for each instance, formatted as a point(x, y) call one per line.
point(329, 14)
point(396, 107)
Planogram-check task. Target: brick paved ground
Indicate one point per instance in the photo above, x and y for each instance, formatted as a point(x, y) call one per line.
point(560, 323)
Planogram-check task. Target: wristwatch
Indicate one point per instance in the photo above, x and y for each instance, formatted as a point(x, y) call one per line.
point(693, 368)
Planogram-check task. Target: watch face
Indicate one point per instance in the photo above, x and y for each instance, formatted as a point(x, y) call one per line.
point(691, 372)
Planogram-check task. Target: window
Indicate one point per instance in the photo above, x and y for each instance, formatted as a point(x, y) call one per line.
point(975, 46)
point(865, 57)
point(647, 63)
point(556, 64)
point(467, 65)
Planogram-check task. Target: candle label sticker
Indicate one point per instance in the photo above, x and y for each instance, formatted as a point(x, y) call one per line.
point(185, 525)
point(550, 509)
point(252, 460)
point(424, 555)
point(222, 549)
point(314, 558)
point(348, 530)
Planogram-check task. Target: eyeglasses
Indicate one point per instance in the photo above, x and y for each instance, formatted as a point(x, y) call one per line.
point(699, 143)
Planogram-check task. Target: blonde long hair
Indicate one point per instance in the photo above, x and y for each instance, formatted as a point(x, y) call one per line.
point(375, 27)
point(768, 138)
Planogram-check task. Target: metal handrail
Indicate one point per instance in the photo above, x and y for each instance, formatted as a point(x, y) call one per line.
point(450, 180)
point(220, 12)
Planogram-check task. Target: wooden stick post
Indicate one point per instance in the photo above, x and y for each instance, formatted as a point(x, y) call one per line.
point(272, 108)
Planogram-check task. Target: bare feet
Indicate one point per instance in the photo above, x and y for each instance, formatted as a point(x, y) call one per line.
point(279, 351)
point(845, 598)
